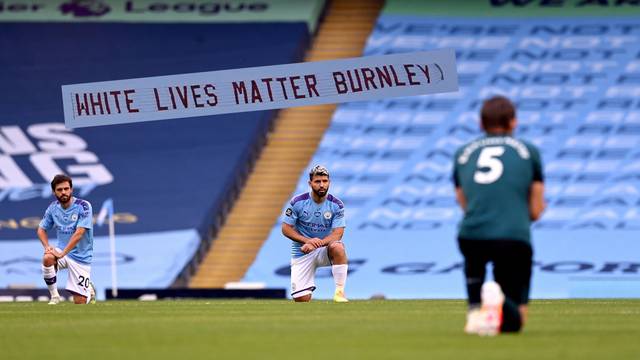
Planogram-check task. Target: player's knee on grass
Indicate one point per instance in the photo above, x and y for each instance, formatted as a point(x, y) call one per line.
point(511, 318)
point(303, 298)
point(48, 260)
point(79, 299)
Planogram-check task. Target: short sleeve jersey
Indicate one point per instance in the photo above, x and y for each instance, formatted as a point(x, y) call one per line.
point(66, 221)
point(495, 174)
point(313, 220)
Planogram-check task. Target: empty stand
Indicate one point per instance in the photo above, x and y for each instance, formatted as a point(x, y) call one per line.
point(172, 182)
point(290, 146)
point(574, 80)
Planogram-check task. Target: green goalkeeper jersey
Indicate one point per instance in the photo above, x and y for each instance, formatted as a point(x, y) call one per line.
point(495, 173)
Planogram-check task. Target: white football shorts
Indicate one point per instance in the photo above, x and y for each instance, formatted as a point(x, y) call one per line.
point(303, 271)
point(78, 280)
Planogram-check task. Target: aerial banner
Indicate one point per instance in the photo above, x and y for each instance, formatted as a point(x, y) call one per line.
point(259, 88)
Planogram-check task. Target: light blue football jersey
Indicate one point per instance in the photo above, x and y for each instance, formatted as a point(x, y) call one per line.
point(313, 220)
point(66, 221)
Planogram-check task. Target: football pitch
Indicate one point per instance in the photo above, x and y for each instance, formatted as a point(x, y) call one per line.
point(279, 329)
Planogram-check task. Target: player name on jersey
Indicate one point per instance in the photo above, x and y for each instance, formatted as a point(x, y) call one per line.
point(259, 88)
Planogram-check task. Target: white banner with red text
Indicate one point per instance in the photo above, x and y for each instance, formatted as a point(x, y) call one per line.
point(259, 88)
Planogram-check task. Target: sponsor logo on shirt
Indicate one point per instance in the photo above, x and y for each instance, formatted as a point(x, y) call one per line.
point(313, 226)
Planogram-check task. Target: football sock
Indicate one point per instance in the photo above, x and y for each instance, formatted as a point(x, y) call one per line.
point(511, 318)
point(473, 290)
point(49, 274)
point(339, 275)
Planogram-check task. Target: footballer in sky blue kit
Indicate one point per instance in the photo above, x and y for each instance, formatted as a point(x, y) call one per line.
point(73, 220)
point(315, 222)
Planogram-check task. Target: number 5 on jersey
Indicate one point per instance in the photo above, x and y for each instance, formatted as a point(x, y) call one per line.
point(489, 158)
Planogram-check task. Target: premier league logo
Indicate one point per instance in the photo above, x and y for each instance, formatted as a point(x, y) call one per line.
point(85, 8)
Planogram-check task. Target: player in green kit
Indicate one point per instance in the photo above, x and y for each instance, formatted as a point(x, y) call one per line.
point(499, 186)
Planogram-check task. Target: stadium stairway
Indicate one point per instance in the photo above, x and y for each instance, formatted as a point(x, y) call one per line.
point(343, 32)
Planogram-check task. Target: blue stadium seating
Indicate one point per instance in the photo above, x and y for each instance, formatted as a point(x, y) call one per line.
point(171, 181)
point(576, 82)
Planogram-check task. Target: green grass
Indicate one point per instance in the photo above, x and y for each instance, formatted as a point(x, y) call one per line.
point(239, 329)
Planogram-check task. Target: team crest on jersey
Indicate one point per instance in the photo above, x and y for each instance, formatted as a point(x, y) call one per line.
point(288, 212)
point(327, 215)
point(74, 217)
